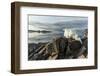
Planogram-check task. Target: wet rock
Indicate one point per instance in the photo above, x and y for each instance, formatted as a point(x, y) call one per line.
point(60, 48)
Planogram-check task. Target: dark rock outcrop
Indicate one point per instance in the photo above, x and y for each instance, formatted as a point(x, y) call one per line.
point(60, 48)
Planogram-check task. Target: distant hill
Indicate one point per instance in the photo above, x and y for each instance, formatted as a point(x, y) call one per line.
point(39, 31)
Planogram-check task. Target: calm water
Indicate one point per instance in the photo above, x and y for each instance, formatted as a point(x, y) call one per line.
point(44, 37)
point(35, 37)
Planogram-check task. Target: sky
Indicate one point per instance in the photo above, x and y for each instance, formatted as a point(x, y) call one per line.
point(52, 19)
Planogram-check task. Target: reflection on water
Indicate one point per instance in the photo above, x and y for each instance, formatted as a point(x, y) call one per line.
point(43, 37)
point(35, 37)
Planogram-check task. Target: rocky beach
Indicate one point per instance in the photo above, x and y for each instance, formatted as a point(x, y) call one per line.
point(59, 48)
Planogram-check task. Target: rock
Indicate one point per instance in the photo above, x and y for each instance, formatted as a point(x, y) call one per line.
point(85, 44)
point(75, 47)
point(61, 45)
point(60, 48)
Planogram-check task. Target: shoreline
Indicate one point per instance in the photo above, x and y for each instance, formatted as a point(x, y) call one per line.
point(36, 52)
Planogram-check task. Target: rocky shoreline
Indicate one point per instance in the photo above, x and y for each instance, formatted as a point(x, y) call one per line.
point(60, 48)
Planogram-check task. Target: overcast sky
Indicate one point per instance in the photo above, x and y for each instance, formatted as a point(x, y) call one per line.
point(52, 19)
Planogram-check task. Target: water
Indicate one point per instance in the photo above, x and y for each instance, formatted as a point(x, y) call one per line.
point(55, 24)
point(44, 37)
point(35, 37)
